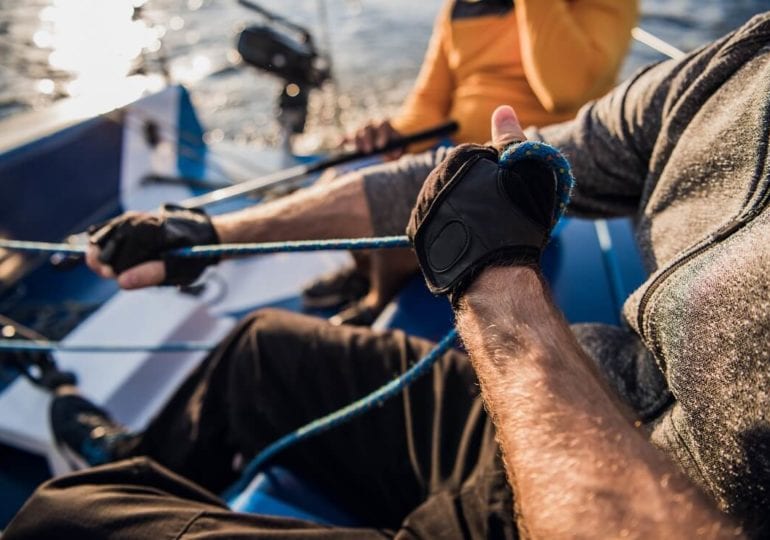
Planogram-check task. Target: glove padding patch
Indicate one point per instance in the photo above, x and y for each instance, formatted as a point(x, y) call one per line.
point(473, 212)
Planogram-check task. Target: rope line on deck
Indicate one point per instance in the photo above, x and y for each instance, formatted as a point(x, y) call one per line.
point(16, 345)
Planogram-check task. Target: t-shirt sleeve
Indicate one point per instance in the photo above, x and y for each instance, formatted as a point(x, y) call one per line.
point(392, 188)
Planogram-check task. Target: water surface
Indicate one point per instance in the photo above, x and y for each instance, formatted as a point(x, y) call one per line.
point(50, 49)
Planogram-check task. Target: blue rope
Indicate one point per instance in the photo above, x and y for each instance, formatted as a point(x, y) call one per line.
point(293, 246)
point(341, 416)
point(50, 346)
point(228, 249)
point(550, 156)
point(28, 246)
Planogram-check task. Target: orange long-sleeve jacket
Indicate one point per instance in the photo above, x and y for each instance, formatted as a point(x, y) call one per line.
point(546, 58)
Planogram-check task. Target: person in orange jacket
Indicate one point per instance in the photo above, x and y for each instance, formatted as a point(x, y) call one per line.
point(545, 57)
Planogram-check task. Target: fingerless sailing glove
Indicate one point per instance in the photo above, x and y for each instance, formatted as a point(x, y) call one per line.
point(482, 208)
point(134, 238)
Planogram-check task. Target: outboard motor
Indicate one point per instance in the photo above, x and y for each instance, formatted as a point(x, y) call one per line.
point(287, 51)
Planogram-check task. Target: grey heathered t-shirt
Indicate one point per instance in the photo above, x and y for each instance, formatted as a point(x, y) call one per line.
point(682, 147)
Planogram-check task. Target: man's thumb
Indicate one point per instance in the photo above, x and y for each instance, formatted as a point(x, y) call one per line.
point(505, 127)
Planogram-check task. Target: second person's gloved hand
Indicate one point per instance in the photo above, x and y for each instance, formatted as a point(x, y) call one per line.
point(133, 239)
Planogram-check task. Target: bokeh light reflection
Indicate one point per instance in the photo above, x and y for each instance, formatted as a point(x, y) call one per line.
point(96, 43)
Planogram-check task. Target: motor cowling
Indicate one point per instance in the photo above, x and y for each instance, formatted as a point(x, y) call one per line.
point(279, 53)
point(291, 57)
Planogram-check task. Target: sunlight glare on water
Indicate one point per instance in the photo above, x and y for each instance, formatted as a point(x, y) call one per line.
point(98, 56)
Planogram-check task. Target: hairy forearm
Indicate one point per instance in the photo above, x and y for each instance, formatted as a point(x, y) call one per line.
point(578, 464)
point(333, 210)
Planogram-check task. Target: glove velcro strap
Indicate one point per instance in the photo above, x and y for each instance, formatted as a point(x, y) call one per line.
point(473, 222)
point(134, 238)
point(181, 225)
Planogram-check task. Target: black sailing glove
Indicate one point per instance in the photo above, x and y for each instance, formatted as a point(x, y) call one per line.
point(134, 238)
point(477, 210)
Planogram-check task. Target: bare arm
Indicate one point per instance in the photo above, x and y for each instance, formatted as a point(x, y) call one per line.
point(373, 201)
point(333, 210)
point(337, 209)
point(576, 460)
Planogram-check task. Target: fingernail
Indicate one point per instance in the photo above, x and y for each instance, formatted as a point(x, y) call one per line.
point(508, 125)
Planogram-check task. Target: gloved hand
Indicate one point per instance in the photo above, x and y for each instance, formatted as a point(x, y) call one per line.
point(474, 212)
point(134, 238)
